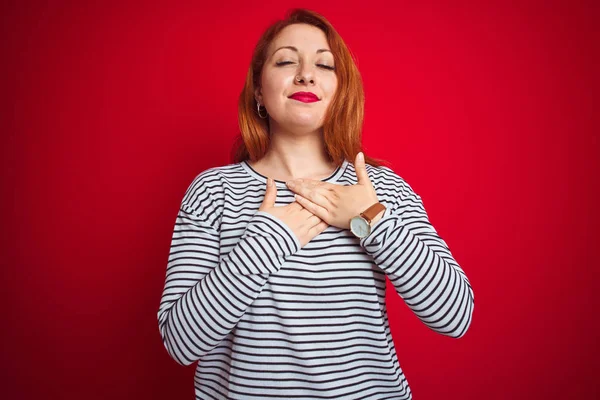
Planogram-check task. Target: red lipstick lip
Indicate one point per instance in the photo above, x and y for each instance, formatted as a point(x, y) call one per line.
point(305, 97)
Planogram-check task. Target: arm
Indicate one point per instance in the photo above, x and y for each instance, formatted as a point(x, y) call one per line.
point(405, 245)
point(204, 297)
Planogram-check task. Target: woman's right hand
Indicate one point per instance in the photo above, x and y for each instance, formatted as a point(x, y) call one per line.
point(302, 222)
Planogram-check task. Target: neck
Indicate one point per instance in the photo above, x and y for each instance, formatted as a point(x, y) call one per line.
point(293, 155)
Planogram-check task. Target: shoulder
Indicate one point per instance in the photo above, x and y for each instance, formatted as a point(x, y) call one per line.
point(204, 196)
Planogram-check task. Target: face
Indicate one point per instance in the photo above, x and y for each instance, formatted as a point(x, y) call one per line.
point(298, 60)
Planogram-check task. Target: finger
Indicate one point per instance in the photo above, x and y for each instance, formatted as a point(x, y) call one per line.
point(361, 169)
point(295, 206)
point(317, 210)
point(270, 195)
point(314, 183)
point(313, 220)
point(320, 227)
point(316, 194)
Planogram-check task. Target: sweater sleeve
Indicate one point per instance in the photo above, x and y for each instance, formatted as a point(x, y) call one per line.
point(204, 295)
point(418, 262)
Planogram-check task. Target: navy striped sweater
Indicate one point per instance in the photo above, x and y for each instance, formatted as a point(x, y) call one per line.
point(267, 319)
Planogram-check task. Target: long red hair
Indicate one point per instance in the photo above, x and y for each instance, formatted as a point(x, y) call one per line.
point(343, 122)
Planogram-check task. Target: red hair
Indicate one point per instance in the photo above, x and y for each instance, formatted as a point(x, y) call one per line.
point(343, 122)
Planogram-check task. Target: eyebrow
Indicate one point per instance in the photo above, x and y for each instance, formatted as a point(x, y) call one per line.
point(296, 50)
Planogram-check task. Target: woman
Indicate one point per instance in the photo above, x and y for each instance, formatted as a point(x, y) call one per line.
point(278, 290)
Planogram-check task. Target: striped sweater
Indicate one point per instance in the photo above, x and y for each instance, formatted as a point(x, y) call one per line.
point(267, 319)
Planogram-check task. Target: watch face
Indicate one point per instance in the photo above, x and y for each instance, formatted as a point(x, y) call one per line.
point(359, 227)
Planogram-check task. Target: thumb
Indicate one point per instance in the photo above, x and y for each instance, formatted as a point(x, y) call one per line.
point(361, 169)
point(270, 194)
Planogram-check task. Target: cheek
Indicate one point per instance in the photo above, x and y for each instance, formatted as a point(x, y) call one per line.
point(276, 77)
point(274, 85)
point(267, 85)
point(331, 87)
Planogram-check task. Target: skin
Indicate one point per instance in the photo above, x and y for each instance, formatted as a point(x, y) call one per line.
point(297, 149)
point(337, 204)
point(297, 152)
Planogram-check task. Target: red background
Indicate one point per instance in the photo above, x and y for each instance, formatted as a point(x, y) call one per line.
point(111, 110)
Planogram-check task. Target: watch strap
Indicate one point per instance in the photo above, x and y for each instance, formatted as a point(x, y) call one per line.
point(372, 211)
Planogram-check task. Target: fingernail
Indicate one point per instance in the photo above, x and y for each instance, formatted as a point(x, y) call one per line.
point(269, 182)
point(290, 184)
point(361, 156)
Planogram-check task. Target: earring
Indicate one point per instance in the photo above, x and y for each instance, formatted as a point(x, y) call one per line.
point(258, 110)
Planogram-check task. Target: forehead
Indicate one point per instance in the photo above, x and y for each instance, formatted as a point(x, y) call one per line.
point(304, 37)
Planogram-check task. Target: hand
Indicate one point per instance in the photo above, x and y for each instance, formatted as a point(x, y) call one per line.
point(301, 221)
point(337, 204)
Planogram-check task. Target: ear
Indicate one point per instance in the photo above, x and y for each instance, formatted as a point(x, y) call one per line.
point(258, 95)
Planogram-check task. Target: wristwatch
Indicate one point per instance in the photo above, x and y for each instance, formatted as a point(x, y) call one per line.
point(360, 225)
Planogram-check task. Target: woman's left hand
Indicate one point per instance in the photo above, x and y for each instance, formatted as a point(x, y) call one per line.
point(337, 204)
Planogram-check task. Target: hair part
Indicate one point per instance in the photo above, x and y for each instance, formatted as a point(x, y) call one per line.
point(343, 121)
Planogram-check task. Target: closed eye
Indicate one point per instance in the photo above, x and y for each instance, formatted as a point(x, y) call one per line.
point(328, 67)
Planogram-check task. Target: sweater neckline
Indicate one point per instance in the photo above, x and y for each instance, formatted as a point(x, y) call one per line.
point(333, 178)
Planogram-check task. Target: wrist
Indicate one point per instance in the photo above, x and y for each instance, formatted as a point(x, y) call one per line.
point(362, 224)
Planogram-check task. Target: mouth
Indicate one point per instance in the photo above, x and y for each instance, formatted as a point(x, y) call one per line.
point(305, 97)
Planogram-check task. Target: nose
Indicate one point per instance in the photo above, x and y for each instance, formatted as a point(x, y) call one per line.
point(305, 74)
